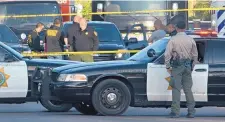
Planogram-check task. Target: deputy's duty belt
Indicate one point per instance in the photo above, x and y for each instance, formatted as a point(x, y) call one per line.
point(181, 62)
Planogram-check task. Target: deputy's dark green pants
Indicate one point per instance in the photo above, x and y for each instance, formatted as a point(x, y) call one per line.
point(82, 58)
point(181, 78)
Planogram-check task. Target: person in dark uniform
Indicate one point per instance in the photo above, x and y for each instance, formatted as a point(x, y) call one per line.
point(34, 38)
point(54, 38)
point(72, 33)
point(81, 38)
point(87, 40)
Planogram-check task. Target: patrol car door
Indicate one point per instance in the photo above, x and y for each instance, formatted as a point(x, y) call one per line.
point(13, 76)
point(158, 79)
point(135, 38)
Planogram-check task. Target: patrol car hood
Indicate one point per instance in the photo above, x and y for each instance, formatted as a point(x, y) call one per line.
point(49, 62)
point(19, 47)
point(87, 66)
point(104, 46)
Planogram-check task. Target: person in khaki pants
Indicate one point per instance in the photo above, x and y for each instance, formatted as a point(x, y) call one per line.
point(180, 57)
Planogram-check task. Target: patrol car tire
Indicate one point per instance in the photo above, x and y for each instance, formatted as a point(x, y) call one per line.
point(50, 106)
point(119, 101)
point(55, 108)
point(85, 109)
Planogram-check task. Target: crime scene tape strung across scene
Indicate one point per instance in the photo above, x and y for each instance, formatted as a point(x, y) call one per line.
point(77, 53)
point(127, 12)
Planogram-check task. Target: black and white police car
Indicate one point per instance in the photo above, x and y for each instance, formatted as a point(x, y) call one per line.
point(110, 87)
point(16, 84)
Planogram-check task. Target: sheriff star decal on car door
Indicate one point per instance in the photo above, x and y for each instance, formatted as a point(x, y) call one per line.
point(3, 78)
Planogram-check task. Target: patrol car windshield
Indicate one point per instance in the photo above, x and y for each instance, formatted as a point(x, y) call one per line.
point(7, 9)
point(7, 36)
point(159, 47)
point(106, 32)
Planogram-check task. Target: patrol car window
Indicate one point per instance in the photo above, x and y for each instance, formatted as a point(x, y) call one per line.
point(106, 32)
point(5, 56)
point(7, 35)
point(218, 52)
point(159, 47)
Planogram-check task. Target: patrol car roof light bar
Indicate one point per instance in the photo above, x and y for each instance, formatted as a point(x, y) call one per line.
point(206, 33)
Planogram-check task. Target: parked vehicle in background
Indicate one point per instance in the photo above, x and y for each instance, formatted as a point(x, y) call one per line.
point(125, 21)
point(25, 25)
point(109, 40)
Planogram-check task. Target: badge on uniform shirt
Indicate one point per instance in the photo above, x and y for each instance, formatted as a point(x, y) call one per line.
point(86, 33)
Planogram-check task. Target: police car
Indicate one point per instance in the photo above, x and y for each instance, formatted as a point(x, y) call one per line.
point(110, 87)
point(16, 84)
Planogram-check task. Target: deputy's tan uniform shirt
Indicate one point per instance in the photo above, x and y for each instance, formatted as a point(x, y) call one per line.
point(181, 46)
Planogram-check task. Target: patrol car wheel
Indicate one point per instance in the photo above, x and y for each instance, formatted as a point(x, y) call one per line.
point(85, 109)
point(54, 106)
point(111, 97)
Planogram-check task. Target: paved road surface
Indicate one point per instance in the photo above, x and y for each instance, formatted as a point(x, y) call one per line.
point(32, 112)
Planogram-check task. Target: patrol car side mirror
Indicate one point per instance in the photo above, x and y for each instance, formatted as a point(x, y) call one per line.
point(151, 53)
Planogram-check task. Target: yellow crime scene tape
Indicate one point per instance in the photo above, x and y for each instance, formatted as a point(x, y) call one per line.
point(33, 54)
point(100, 13)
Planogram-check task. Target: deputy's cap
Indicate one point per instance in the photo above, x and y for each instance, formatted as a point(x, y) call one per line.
point(181, 25)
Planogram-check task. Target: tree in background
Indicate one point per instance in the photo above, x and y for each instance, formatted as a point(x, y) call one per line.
point(203, 15)
point(86, 8)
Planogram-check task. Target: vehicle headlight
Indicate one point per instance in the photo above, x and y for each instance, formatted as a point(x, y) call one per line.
point(72, 77)
point(29, 51)
point(119, 55)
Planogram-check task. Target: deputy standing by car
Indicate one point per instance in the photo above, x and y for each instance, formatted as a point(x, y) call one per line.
point(86, 41)
point(34, 38)
point(54, 38)
point(180, 52)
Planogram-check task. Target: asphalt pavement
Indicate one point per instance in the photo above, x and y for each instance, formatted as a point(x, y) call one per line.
point(33, 112)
